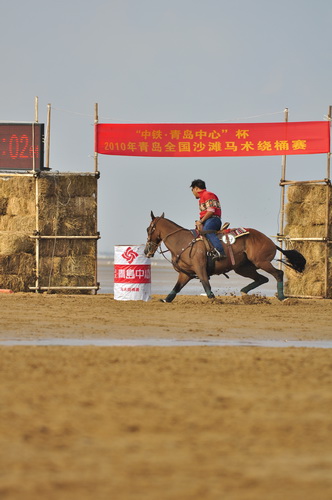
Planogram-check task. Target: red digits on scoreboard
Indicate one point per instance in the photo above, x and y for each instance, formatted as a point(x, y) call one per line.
point(13, 147)
point(20, 148)
point(25, 144)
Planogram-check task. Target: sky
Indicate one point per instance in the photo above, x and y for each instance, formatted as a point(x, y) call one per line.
point(180, 61)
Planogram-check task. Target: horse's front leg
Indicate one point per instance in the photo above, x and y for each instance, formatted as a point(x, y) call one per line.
point(200, 265)
point(208, 290)
point(204, 279)
point(181, 282)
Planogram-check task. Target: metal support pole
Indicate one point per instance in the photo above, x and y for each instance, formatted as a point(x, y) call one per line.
point(96, 122)
point(282, 195)
point(327, 216)
point(33, 149)
point(96, 225)
point(36, 109)
point(37, 246)
point(48, 137)
point(328, 165)
point(283, 178)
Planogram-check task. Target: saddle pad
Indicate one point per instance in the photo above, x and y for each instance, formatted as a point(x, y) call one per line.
point(236, 232)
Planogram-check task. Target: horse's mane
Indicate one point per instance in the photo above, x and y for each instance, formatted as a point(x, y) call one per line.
point(175, 224)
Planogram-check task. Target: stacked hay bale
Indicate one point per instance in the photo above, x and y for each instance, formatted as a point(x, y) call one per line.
point(306, 213)
point(17, 222)
point(67, 207)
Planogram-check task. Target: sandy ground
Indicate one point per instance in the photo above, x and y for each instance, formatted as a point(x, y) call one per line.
point(33, 316)
point(165, 422)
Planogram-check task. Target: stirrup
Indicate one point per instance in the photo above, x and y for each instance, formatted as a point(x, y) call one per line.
point(216, 255)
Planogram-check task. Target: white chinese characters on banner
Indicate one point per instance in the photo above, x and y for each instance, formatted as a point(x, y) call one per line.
point(132, 273)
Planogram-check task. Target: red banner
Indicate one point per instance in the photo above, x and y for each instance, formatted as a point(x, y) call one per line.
point(213, 139)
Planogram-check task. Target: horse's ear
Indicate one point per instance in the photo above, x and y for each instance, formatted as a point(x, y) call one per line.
point(152, 215)
point(162, 215)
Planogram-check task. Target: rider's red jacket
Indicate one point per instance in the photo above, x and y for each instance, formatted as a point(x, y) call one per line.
point(208, 202)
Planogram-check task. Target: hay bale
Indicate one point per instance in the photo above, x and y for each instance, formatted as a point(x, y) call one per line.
point(3, 206)
point(313, 251)
point(318, 193)
point(74, 266)
point(82, 206)
point(17, 272)
point(50, 266)
point(19, 186)
point(67, 266)
point(297, 231)
point(15, 224)
point(307, 218)
point(76, 206)
point(312, 281)
point(68, 226)
point(63, 248)
point(72, 281)
point(15, 243)
point(67, 207)
point(306, 213)
point(297, 193)
point(18, 283)
point(300, 287)
point(20, 264)
point(310, 193)
point(67, 185)
point(20, 206)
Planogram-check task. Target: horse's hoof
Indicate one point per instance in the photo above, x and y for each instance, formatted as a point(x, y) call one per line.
point(163, 300)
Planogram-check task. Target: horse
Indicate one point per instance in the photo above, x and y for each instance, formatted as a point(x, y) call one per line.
point(253, 250)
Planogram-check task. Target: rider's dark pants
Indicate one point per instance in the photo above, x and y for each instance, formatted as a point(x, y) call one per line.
point(213, 224)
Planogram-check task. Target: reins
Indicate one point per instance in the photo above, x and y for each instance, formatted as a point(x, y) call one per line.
point(173, 232)
point(175, 261)
point(178, 256)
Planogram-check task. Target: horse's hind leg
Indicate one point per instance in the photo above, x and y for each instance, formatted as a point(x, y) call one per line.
point(278, 274)
point(248, 270)
point(181, 282)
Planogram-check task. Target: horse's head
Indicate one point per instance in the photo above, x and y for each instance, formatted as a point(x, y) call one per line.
point(154, 237)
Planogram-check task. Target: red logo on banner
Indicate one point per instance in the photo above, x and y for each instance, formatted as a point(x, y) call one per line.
point(129, 255)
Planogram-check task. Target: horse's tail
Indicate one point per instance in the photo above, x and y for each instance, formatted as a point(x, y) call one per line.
point(295, 259)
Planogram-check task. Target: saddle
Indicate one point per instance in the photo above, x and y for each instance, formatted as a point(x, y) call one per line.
point(225, 234)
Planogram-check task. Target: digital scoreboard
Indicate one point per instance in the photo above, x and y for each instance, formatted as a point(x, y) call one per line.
point(21, 146)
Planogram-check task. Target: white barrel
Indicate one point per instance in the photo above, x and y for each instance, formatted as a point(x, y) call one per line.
point(132, 273)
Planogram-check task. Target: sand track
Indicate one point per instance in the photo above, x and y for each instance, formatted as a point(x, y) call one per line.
point(164, 422)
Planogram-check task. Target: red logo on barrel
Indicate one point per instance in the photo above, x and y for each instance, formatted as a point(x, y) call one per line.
point(129, 255)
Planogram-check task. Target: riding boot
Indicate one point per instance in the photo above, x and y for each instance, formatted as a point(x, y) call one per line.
point(217, 255)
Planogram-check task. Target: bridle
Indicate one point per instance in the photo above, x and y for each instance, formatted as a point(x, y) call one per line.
point(152, 246)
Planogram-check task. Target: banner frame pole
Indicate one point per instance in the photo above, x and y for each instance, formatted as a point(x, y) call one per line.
point(282, 195)
point(327, 213)
point(328, 163)
point(96, 119)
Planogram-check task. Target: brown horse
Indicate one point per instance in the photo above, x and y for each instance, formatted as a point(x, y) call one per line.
point(250, 252)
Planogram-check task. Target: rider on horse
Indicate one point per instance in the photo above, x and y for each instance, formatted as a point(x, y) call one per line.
point(209, 217)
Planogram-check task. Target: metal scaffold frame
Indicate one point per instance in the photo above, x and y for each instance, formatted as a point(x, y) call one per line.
point(325, 239)
point(37, 236)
